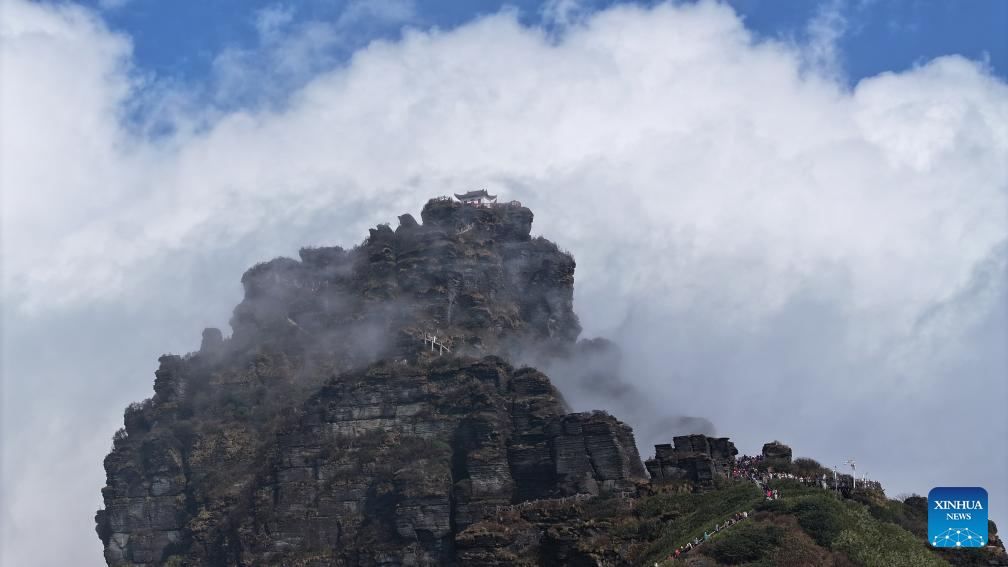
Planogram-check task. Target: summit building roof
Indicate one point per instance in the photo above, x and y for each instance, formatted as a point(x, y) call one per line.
point(474, 195)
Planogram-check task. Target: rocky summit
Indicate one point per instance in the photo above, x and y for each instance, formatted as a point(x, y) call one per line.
point(366, 410)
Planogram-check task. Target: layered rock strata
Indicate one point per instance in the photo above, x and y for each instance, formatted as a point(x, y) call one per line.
point(694, 458)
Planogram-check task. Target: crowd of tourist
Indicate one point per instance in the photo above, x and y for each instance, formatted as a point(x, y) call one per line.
point(752, 468)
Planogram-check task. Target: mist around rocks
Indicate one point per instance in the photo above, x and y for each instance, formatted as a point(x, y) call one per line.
point(377, 405)
point(360, 412)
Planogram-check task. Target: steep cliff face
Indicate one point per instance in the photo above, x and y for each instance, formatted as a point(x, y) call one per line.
point(357, 415)
point(389, 465)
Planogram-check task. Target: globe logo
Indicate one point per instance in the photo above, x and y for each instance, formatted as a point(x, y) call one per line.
point(963, 537)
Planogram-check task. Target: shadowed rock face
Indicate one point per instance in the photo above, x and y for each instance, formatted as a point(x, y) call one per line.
point(405, 458)
point(776, 455)
point(325, 431)
point(695, 458)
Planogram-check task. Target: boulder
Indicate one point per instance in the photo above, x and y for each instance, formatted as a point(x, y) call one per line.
point(776, 455)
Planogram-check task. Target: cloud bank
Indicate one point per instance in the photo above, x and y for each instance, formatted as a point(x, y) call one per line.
point(774, 251)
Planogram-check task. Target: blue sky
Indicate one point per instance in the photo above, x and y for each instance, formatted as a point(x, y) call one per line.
point(179, 41)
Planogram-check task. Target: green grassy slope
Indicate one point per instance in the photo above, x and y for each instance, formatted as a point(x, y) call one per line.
point(805, 526)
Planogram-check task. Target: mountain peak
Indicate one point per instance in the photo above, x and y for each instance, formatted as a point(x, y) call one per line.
point(366, 411)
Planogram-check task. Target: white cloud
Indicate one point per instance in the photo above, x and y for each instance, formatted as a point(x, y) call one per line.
point(271, 20)
point(824, 31)
point(292, 48)
point(780, 254)
point(387, 11)
point(564, 13)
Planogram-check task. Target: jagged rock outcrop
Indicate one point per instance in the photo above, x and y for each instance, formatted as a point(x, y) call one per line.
point(777, 455)
point(472, 274)
point(695, 458)
point(329, 430)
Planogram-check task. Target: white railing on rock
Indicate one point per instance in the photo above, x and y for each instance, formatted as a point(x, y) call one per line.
point(436, 344)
